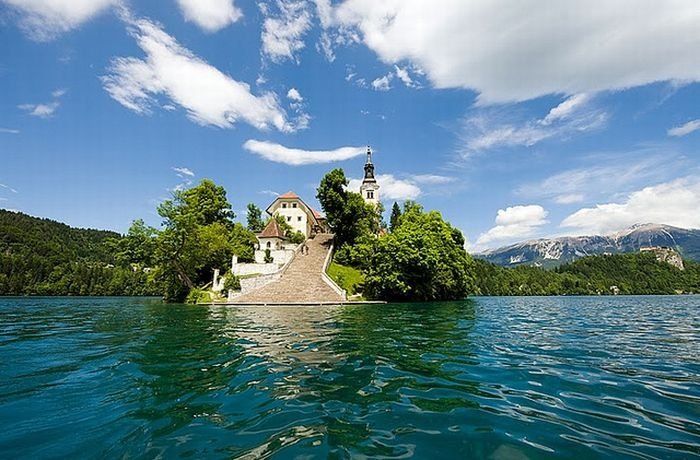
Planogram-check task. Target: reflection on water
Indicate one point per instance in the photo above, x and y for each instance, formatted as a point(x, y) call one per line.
point(501, 378)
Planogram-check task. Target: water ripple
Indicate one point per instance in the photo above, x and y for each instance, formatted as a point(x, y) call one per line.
point(498, 378)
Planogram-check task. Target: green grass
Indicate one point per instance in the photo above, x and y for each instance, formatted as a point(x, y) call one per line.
point(347, 278)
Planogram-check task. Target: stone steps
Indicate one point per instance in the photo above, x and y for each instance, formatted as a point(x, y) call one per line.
point(302, 281)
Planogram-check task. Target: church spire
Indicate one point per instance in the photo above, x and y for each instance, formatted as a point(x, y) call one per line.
point(369, 188)
point(369, 167)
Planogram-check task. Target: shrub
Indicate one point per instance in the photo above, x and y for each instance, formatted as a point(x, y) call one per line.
point(232, 283)
point(268, 257)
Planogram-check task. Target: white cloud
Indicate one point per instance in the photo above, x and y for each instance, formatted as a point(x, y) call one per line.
point(569, 198)
point(297, 104)
point(494, 128)
point(297, 157)
point(514, 52)
point(611, 173)
point(283, 33)
point(45, 110)
point(403, 74)
point(684, 129)
point(209, 96)
point(9, 131)
point(268, 192)
point(210, 15)
point(566, 108)
point(513, 223)
point(181, 172)
point(294, 95)
point(41, 110)
point(59, 93)
point(672, 203)
point(383, 83)
point(44, 20)
point(391, 187)
point(7, 187)
point(432, 179)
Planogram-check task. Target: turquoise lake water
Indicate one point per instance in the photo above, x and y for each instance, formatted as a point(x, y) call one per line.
point(496, 378)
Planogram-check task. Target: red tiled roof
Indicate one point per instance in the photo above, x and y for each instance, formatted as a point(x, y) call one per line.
point(317, 214)
point(272, 230)
point(289, 194)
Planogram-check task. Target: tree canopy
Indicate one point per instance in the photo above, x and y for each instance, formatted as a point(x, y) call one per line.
point(422, 259)
point(254, 218)
point(347, 214)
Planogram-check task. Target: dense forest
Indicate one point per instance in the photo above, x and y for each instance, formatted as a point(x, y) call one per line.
point(634, 273)
point(44, 257)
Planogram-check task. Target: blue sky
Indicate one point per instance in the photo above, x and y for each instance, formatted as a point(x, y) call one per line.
point(513, 120)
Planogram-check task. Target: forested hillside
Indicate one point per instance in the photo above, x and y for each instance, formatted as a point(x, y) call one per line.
point(638, 273)
point(44, 257)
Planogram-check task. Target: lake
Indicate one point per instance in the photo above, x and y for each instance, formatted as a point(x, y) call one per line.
point(497, 378)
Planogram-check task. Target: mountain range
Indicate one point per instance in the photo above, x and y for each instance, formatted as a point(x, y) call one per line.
point(551, 252)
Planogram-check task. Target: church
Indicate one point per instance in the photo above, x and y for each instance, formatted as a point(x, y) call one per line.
point(274, 250)
point(305, 219)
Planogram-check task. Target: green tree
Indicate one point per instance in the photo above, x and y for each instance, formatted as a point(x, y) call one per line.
point(294, 236)
point(419, 260)
point(395, 216)
point(195, 238)
point(243, 243)
point(254, 218)
point(349, 217)
point(137, 246)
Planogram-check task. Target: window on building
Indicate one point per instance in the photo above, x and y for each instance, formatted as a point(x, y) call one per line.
point(294, 205)
point(284, 205)
point(268, 245)
point(289, 218)
point(370, 194)
point(298, 218)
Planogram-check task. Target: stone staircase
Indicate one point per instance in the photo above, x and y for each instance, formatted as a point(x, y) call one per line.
point(302, 282)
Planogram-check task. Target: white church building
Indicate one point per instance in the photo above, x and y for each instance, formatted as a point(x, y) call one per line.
point(273, 243)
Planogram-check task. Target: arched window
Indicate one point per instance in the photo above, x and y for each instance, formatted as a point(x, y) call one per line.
point(268, 245)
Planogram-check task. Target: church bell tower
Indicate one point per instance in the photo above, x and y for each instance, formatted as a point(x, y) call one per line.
point(370, 188)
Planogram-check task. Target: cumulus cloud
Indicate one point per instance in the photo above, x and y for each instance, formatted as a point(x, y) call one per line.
point(284, 31)
point(294, 95)
point(684, 129)
point(672, 203)
point(569, 47)
point(494, 128)
point(298, 157)
point(44, 20)
point(383, 83)
point(209, 96)
point(513, 223)
point(391, 187)
point(210, 15)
